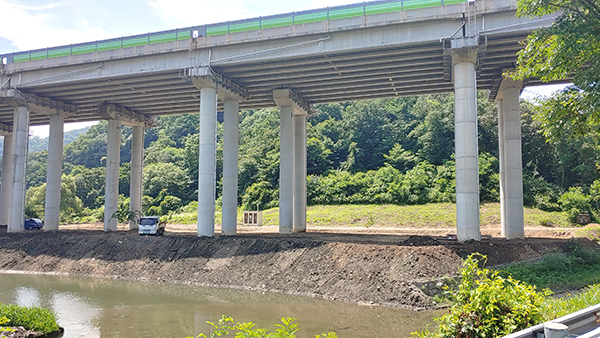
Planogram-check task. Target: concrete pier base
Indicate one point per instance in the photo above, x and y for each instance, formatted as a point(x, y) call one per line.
point(111, 199)
point(20, 144)
point(467, 157)
point(7, 180)
point(54, 173)
point(135, 186)
point(207, 162)
point(230, 166)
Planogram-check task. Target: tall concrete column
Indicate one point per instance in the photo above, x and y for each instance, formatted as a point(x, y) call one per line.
point(54, 173)
point(512, 180)
point(501, 160)
point(20, 142)
point(135, 187)
point(299, 173)
point(7, 180)
point(466, 149)
point(286, 170)
point(111, 195)
point(207, 162)
point(230, 166)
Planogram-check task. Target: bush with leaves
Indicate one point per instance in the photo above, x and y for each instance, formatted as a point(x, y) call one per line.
point(227, 327)
point(488, 305)
point(31, 318)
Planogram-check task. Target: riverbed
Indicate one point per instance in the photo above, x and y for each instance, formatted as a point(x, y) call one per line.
point(98, 307)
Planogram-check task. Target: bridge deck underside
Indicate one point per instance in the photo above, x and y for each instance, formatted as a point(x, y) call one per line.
point(353, 75)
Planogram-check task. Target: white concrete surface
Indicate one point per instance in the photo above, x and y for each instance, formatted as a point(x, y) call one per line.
point(465, 124)
point(7, 180)
point(113, 154)
point(207, 162)
point(286, 170)
point(20, 142)
point(54, 173)
point(230, 166)
point(299, 122)
point(135, 186)
point(501, 162)
point(512, 203)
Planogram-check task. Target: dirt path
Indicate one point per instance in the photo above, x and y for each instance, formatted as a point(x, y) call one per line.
point(386, 266)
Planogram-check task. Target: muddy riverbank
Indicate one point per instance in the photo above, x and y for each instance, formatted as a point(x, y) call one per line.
point(386, 269)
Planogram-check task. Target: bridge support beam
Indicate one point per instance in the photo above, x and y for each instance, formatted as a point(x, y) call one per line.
point(207, 162)
point(20, 142)
point(299, 173)
point(511, 167)
point(465, 134)
point(111, 199)
point(54, 173)
point(135, 187)
point(7, 180)
point(230, 166)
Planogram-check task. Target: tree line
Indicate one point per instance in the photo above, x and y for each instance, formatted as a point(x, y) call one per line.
point(397, 150)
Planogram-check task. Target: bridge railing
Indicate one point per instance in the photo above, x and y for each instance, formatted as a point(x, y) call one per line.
point(247, 25)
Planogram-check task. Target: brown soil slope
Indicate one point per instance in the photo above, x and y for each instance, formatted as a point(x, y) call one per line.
point(390, 270)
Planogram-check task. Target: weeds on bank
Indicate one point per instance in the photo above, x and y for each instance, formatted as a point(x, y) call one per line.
point(227, 327)
point(558, 307)
point(574, 269)
point(487, 304)
point(31, 318)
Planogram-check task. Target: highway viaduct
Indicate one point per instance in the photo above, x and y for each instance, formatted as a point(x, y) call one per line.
point(292, 61)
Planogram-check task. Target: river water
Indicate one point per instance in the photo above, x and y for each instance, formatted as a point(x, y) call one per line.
point(94, 307)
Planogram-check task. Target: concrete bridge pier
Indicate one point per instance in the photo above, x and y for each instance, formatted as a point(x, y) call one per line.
point(511, 167)
point(7, 179)
point(286, 170)
point(135, 186)
point(54, 173)
point(19, 164)
point(230, 166)
point(465, 123)
point(207, 162)
point(113, 153)
point(299, 172)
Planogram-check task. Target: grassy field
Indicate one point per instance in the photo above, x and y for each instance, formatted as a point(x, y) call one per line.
point(440, 215)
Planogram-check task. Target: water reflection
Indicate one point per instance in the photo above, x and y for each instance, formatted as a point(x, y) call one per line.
point(88, 307)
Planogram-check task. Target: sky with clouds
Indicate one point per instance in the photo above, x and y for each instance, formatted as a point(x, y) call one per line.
point(33, 24)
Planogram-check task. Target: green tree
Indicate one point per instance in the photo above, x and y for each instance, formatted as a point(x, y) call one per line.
point(569, 48)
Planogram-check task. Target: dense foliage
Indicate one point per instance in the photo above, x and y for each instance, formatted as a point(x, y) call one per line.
point(31, 318)
point(488, 305)
point(397, 151)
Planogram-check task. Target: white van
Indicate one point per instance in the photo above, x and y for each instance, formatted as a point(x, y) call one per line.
point(151, 225)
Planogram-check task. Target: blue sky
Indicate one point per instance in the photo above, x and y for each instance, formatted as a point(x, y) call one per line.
point(32, 24)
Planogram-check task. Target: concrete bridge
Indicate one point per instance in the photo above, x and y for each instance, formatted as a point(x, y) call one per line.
point(292, 61)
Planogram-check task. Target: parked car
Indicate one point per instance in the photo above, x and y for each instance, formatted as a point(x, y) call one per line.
point(33, 223)
point(151, 225)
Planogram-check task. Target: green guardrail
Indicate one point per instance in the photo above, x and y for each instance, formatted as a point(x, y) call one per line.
point(333, 13)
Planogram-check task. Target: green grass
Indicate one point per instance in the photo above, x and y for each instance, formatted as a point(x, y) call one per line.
point(553, 308)
point(574, 269)
point(31, 318)
point(434, 215)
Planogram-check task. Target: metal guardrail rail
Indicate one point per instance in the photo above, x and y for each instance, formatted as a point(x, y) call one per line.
point(247, 25)
point(582, 324)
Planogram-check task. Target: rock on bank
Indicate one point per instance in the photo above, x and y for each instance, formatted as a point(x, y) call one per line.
point(349, 268)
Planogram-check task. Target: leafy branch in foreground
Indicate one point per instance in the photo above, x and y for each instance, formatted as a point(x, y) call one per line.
point(227, 327)
point(488, 305)
point(568, 49)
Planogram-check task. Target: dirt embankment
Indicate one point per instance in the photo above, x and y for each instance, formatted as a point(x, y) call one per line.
point(390, 270)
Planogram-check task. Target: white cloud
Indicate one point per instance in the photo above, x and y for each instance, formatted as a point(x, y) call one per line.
point(29, 27)
point(182, 13)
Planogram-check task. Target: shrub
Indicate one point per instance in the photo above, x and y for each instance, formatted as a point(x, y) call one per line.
point(488, 305)
point(287, 329)
point(31, 318)
point(575, 202)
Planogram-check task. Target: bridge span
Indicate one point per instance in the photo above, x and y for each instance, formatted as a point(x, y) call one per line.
point(293, 61)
